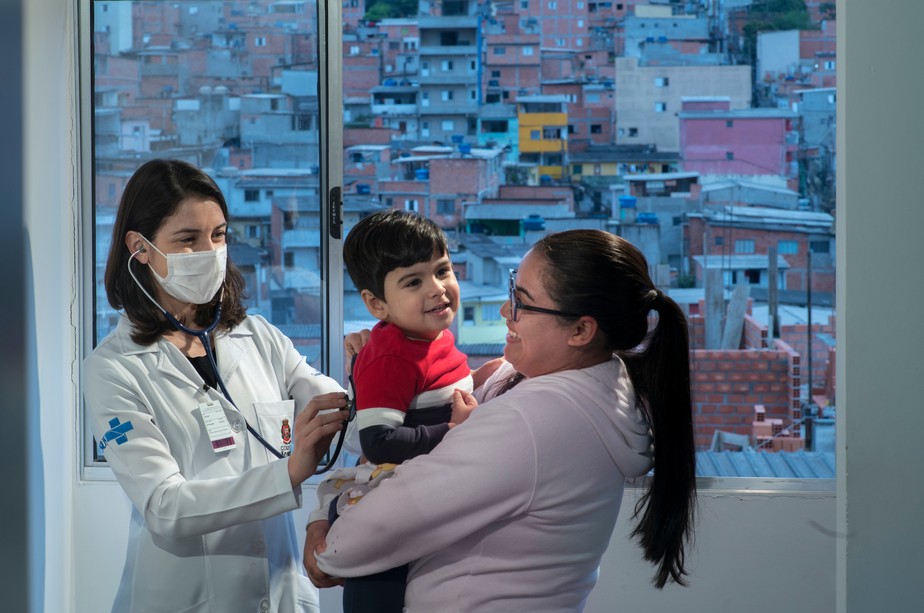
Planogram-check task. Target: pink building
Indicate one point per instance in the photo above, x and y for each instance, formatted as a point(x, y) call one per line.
point(745, 142)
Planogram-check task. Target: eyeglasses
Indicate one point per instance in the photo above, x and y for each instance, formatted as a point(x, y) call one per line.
point(516, 306)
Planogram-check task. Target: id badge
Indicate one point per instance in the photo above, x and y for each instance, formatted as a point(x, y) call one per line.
point(217, 426)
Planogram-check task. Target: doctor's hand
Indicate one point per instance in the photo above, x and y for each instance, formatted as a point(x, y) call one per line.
point(315, 543)
point(313, 432)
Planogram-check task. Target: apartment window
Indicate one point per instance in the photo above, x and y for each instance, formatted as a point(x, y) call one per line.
point(744, 245)
point(251, 195)
point(633, 132)
point(446, 65)
point(729, 155)
point(787, 247)
point(820, 246)
point(445, 206)
point(535, 135)
point(259, 41)
point(446, 95)
point(411, 205)
point(495, 74)
point(577, 169)
point(528, 51)
point(596, 128)
point(468, 315)
point(448, 125)
point(500, 51)
point(524, 4)
point(729, 123)
point(553, 5)
point(660, 107)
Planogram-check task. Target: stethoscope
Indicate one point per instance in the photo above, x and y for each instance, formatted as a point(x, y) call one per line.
point(203, 336)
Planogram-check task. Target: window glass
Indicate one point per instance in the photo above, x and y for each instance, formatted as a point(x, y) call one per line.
point(231, 87)
point(721, 167)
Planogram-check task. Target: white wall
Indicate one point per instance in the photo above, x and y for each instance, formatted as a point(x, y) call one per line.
point(880, 135)
point(753, 549)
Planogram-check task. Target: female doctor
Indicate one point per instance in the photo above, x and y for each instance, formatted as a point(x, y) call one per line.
point(212, 461)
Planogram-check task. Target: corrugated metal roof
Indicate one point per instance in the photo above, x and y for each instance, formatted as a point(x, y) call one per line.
point(776, 464)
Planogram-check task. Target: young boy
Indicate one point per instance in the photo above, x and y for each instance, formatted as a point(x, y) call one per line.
point(406, 374)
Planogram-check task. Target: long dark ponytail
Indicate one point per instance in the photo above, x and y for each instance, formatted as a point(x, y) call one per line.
point(604, 276)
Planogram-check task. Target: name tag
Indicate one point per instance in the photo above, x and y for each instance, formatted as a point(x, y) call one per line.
point(217, 426)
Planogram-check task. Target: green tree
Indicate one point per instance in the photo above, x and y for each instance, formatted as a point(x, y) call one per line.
point(773, 16)
point(384, 9)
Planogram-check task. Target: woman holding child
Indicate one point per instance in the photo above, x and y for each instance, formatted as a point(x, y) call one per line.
point(514, 509)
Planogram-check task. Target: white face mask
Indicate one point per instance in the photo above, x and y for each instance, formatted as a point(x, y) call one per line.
point(193, 277)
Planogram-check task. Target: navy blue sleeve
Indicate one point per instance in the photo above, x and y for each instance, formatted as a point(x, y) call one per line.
point(382, 444)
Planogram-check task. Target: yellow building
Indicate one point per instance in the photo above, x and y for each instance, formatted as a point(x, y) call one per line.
point(543, 134)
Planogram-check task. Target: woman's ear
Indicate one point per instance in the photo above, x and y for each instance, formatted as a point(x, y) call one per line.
point(134, 242)
point(377, 307)
point(584, 331)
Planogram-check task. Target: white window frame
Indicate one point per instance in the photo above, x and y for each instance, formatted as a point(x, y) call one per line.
point(330, 137)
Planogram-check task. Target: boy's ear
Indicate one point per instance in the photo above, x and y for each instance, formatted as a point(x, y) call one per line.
point(377, 307)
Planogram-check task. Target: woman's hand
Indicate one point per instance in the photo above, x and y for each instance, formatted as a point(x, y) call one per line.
point(315, 543)
point(313, 432)
point(463, 404)
point(483, 372)
point(352, 343)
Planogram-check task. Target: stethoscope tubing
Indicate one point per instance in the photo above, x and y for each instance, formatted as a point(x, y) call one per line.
point(203, 336)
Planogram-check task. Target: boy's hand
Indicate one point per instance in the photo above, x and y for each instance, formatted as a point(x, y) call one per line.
point(352, 343)
point(463, 404)
point(483, 372)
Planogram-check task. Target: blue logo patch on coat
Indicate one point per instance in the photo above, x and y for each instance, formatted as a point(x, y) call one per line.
point(118, 432)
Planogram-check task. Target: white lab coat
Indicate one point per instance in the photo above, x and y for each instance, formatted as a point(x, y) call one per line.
point(210, 531)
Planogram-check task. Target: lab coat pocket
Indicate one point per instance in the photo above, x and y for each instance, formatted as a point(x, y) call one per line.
point(276, 420)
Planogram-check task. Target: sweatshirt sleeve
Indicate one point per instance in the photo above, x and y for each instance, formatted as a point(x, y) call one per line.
point(437, 499)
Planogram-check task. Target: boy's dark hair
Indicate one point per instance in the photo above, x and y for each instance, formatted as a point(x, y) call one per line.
point(387, 240)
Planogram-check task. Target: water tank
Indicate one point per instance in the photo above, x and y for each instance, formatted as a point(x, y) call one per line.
point(628, 202)
point(422, 174)
point(465, 148)
point(534, 223)
point(363, 188)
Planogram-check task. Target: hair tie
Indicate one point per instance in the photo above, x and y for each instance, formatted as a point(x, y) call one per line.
point(655, 298)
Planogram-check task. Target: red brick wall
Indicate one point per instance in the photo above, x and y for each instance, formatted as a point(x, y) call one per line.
point(796, 336)
point(727, 385)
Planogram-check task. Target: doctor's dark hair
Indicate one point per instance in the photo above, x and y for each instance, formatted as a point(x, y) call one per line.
point(152, 194)
point(605, 277)
point(387, 240)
